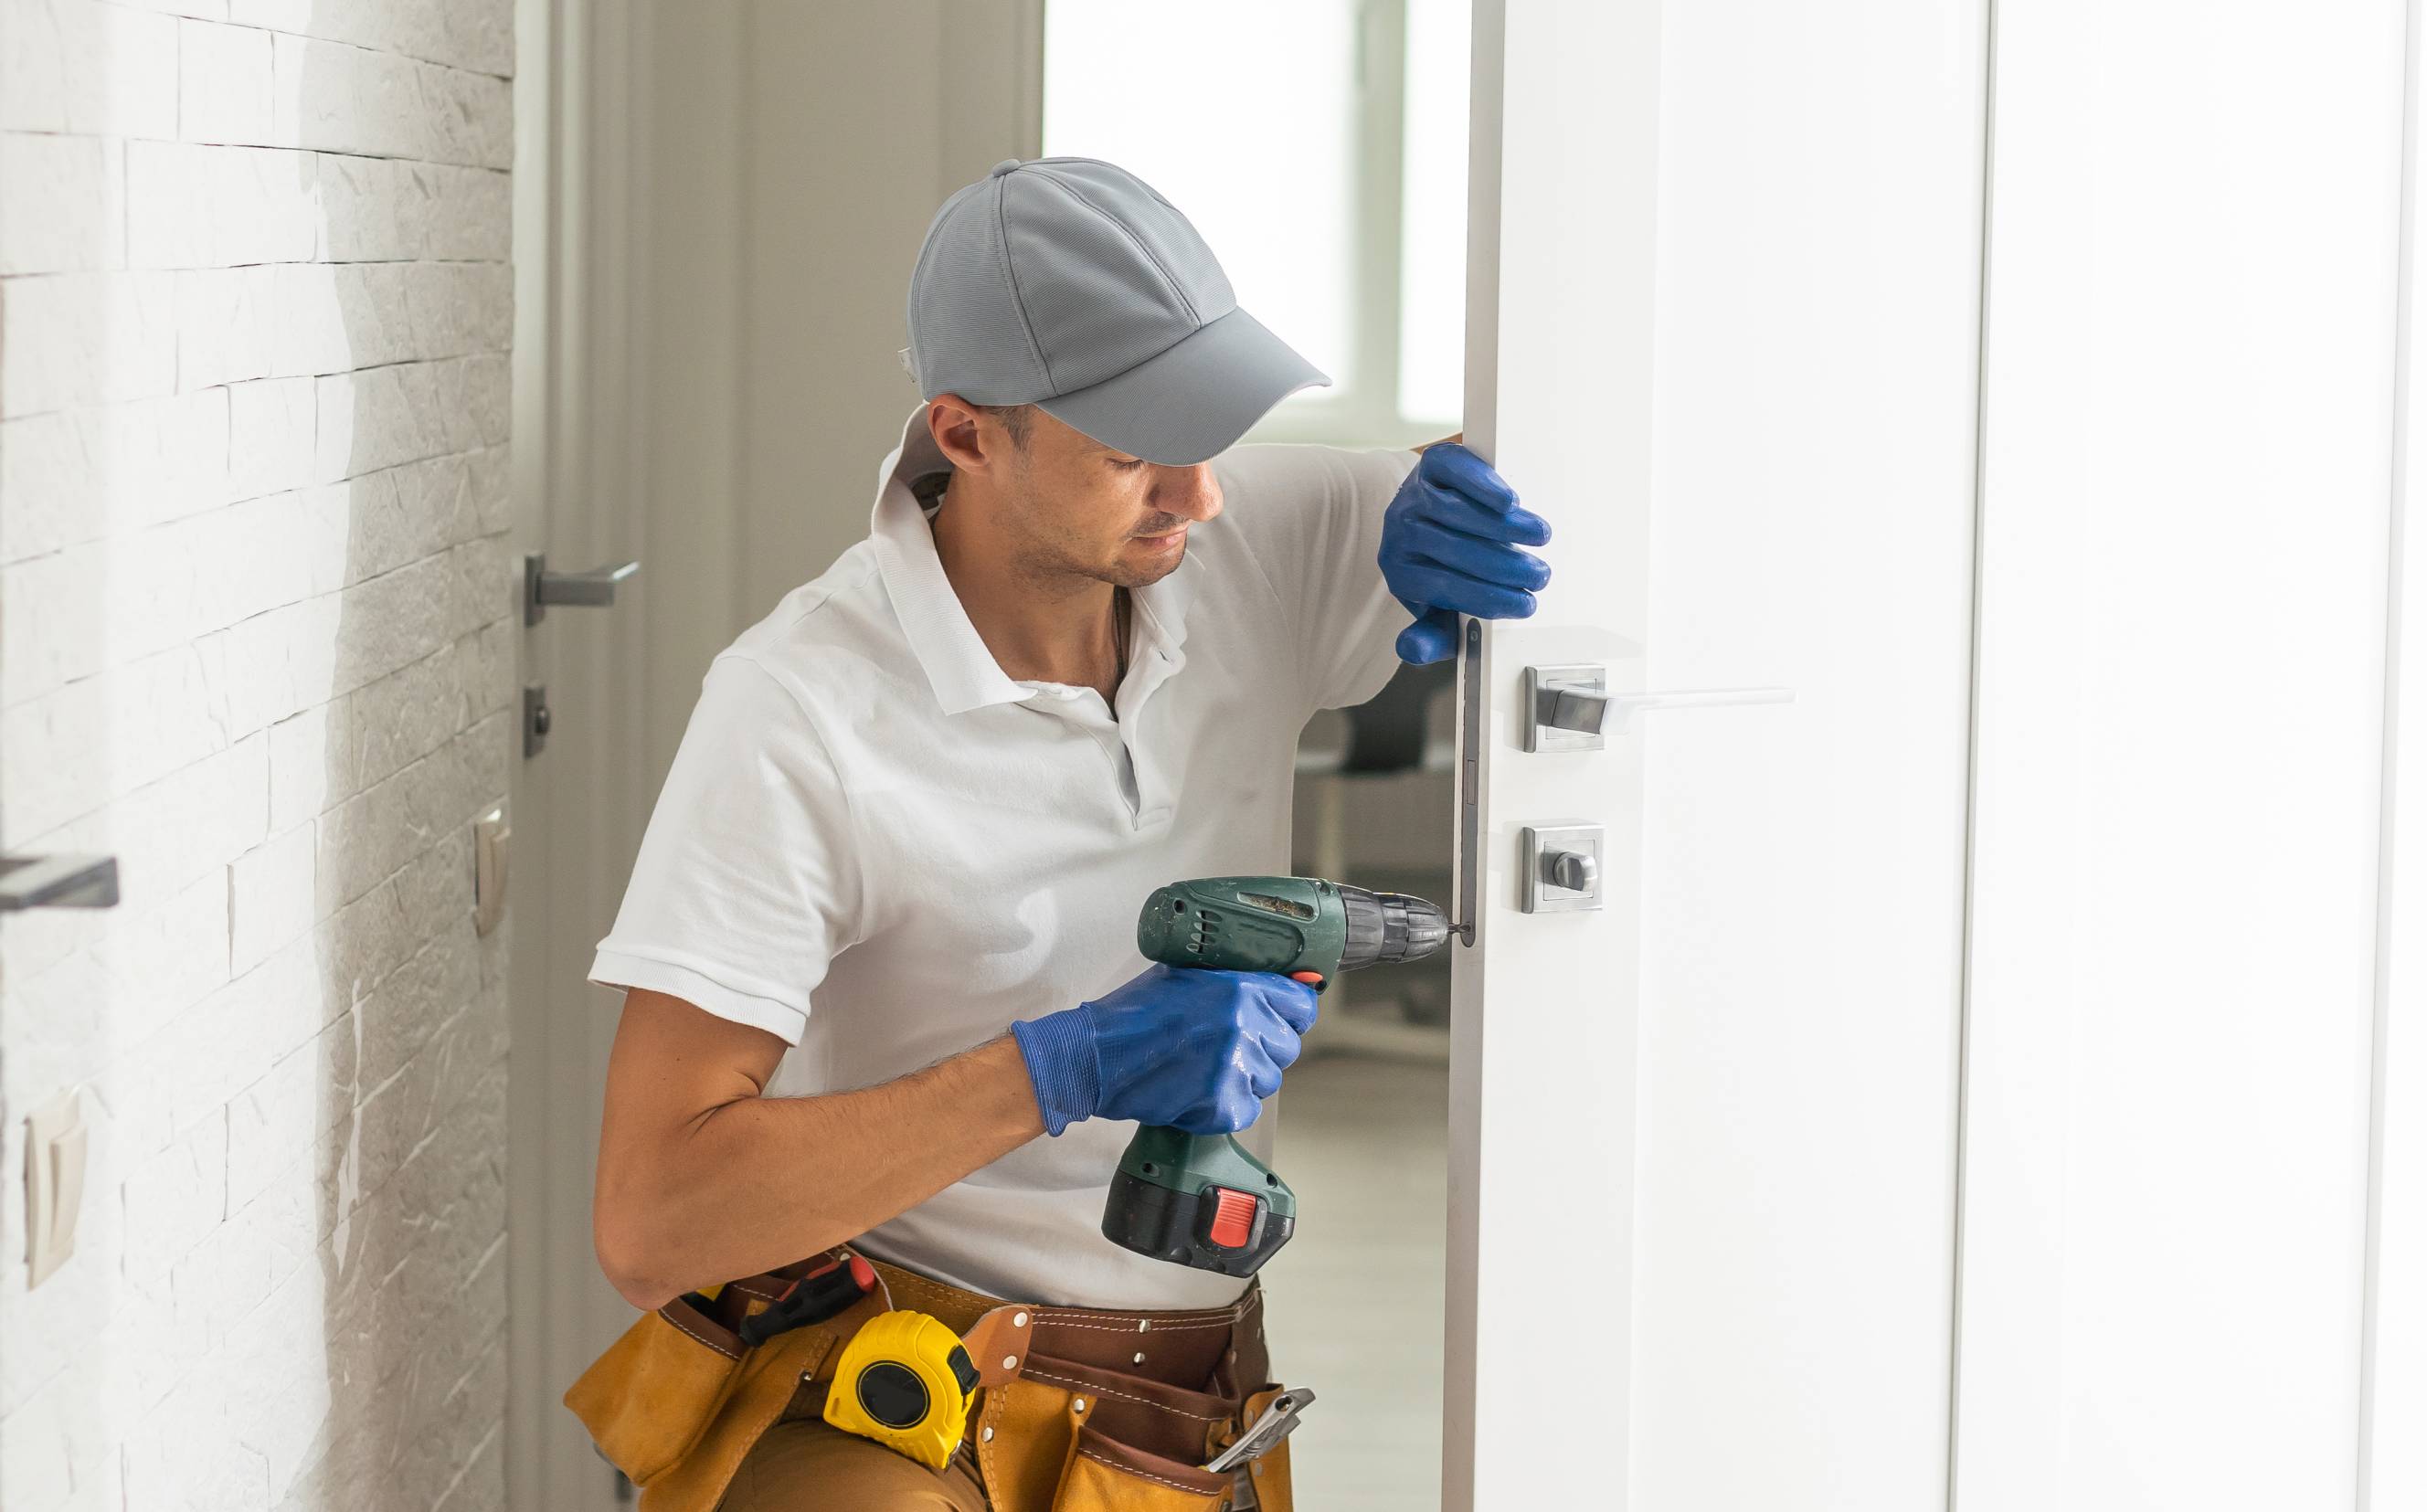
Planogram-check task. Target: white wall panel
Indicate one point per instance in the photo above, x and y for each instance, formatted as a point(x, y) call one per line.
point(1802, 908)
point(2186, 474)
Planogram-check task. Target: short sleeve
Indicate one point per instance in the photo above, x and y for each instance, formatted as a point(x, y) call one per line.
point(746, 882)
point(1312, 516)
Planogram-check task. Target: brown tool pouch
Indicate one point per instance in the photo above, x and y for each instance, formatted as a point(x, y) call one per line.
point(650, 1396)
point(1068, 1436)
point(1071, 1438)
point(677, 1402)
point(1105, 1475)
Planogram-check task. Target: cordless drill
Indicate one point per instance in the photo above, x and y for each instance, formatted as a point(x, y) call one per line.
point(1202, 1199)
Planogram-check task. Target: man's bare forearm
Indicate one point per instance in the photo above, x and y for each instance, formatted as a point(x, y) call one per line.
point(752, 1183)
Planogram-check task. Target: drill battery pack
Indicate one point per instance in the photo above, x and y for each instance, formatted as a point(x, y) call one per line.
point(1197, 1200)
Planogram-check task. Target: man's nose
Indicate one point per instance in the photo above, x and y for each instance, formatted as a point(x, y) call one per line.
point(1190, 492)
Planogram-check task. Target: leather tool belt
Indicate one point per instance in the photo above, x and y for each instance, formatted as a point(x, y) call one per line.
point(1078, 1409)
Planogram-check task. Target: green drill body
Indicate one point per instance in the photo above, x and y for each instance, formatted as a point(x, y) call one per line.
point(1202, 1199)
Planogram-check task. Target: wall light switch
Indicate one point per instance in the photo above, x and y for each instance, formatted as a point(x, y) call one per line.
point(54, 1149)
point(490, 835)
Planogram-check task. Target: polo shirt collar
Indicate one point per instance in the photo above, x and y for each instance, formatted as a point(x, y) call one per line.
point(959, 668)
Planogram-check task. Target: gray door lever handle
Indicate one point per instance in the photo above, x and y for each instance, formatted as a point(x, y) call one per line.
point(595, 589)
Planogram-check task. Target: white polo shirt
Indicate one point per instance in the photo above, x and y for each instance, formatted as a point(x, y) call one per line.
point(876, 845)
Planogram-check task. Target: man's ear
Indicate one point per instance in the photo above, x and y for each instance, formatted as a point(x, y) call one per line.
point(954, 422)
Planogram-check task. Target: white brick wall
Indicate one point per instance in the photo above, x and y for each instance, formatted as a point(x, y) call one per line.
point(256, 640)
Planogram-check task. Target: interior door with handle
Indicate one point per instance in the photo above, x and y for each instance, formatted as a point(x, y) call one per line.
point(1724, 326)
point(580, 795)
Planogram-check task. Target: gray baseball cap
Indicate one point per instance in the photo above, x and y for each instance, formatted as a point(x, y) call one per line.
point(1068, 283)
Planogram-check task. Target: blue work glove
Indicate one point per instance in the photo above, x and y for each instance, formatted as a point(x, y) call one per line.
point(1450, 543)
point(1193, 1048)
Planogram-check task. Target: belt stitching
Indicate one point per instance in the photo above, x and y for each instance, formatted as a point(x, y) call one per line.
point(1215, 1317)
point(1113, 1312)
point(1043, 1321)
point(1066, 1317)
point(985, 1441)
point(1106, 1390)
point(1128, 1470)
point(1236, 1310)
point(701, 1337)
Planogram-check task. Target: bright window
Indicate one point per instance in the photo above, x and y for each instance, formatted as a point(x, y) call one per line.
point(1432, 214)
point(1284, 130)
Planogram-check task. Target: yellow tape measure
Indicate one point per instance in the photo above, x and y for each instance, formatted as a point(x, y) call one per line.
point(904, 1381)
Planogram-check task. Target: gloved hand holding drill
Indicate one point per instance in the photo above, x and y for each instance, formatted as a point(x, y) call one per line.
point(1450, 543)
point(1197, 1049)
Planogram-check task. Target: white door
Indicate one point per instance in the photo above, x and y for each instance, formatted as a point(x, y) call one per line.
point(1771, 303)
point(1724, 335)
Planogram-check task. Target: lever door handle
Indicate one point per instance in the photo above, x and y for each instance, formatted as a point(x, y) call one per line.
point(1572, 709)
point(595, 589)
point(1624, 705)
point(1571, 706)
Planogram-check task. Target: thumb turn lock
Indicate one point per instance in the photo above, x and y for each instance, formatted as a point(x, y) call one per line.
point(1574, 871)
point(1559, 868)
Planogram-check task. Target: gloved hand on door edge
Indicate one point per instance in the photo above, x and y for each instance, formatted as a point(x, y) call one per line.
point(1451, 541)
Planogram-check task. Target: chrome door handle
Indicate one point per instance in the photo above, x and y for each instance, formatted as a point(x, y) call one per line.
point(1626, 704)
point(1565, 706)
point(595, 589)
point(58, 882)
point(1572, 709)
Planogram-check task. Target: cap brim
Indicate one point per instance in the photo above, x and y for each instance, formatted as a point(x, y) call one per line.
point(1193, 398)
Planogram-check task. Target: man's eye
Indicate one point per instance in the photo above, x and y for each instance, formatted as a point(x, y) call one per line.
point(1132, 465)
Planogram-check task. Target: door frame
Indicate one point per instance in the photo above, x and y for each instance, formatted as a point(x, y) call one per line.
point(2393, 1339)
point(583, 103)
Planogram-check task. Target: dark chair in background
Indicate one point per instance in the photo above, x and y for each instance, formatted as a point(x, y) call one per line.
point(1348, 757)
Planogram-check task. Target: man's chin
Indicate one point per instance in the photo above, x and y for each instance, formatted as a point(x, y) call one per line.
point(1144, 562)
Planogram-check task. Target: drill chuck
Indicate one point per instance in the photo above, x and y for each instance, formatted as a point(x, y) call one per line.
point(1386, 928)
